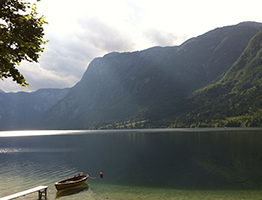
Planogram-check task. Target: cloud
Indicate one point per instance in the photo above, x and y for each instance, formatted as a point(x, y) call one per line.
point(103, 37)
point(78, 35)
point(39, 77)
point(81, 31)
point(162, 38)
point(67, 56)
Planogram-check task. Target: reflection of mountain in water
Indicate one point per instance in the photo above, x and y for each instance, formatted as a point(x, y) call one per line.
point(180, 160)
point(229, 160)
point(234, 156)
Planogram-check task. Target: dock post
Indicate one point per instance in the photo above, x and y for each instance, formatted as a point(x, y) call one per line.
point(42, 193)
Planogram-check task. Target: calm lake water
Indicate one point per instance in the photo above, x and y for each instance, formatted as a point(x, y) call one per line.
point(137, 164)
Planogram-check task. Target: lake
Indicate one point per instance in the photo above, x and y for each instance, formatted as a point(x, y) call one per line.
point(137, 164)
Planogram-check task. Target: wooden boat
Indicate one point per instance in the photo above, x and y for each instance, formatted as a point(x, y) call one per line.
point(78, 179)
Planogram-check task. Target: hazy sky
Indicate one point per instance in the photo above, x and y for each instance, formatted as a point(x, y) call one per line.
point(81, 30)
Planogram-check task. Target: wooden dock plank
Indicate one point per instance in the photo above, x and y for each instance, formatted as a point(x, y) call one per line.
point(26, 192)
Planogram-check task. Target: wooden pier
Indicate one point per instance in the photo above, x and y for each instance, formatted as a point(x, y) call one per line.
point(42, 192)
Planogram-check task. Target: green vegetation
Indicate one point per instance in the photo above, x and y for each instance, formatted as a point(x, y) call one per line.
point(122, 125)
point(235, 100)
point(21, 37)
point(150, 88)
point(213, 80)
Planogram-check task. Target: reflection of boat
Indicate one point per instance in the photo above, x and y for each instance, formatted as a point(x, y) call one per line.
point(72, 190)
point(72, 182)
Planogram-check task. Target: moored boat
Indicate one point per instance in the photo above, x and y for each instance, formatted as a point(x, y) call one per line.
point(76, 180)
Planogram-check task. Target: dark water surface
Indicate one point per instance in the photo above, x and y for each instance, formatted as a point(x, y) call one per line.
point(137, 164)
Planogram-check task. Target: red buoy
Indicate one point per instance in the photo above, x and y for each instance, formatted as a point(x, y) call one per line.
point(101, 175)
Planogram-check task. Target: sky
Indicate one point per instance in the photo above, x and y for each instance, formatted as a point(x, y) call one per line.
point(82, 30)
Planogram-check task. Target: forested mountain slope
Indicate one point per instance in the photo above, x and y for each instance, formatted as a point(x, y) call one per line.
point(23, 110)
point(235, 100)
point(148, 85)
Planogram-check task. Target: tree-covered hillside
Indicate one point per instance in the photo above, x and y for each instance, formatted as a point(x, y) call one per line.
point(147, 87)
point(23, 110)
point(156, 87)
point(235, 100)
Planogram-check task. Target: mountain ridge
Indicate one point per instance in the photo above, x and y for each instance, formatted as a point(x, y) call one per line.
point(23, 110)
point(150, 84)
point(235, 99)
point(173, 86)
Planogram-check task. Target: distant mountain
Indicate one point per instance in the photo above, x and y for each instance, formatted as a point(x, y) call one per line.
point(23, 110)
point(235, 100)
point(149, 85)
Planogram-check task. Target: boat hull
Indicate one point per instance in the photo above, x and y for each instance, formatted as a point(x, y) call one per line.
point(71, 182)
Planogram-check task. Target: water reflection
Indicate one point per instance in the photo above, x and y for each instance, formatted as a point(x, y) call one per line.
point(72, 191)
point(7, 150)
point(34, 133)
point(177, 160)
point(234, 157)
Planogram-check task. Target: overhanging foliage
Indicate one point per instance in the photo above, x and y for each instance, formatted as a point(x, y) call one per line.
point(21, 37)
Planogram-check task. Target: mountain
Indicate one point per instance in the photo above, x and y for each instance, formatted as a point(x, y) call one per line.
point(23, 110)
point(149, 85)
point(235, 100)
